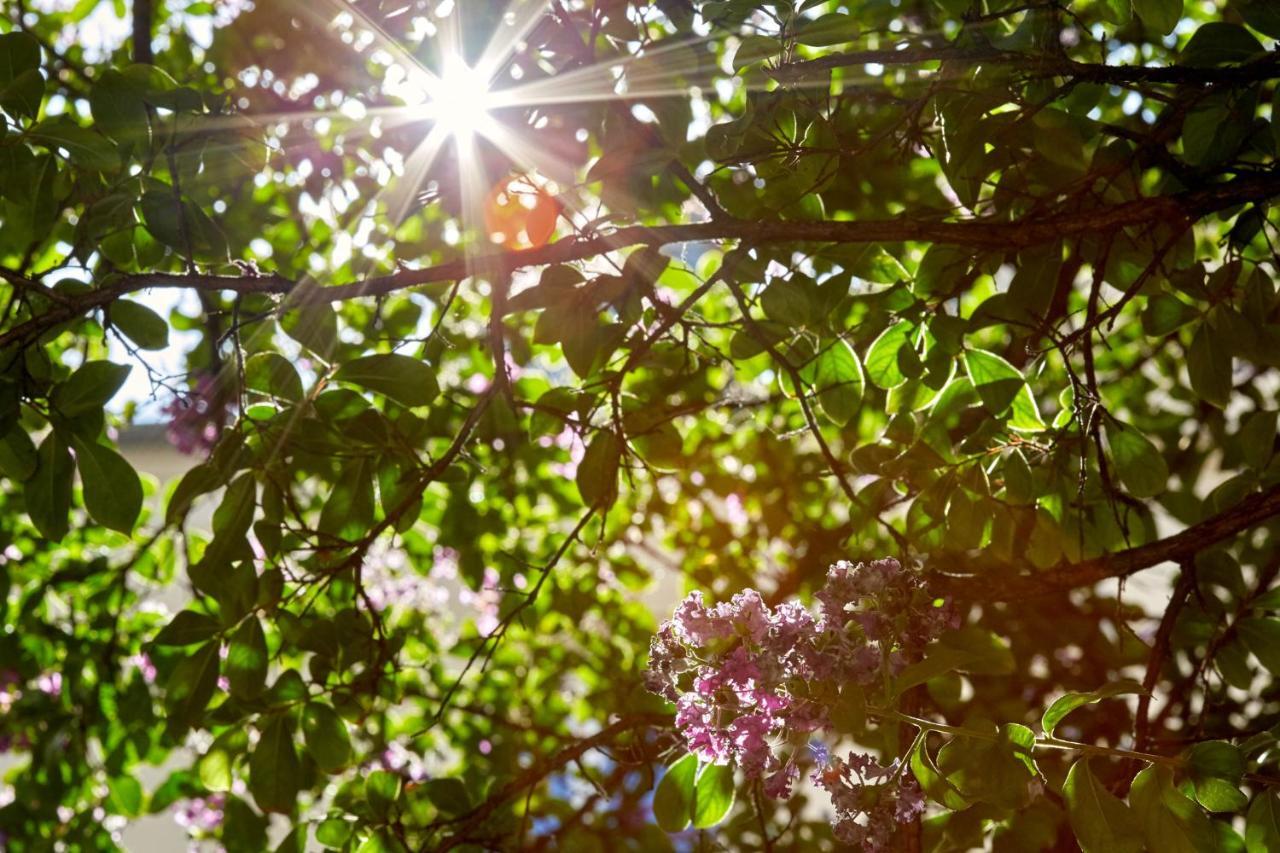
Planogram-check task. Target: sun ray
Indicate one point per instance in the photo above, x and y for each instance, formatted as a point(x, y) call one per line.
point(518, 21)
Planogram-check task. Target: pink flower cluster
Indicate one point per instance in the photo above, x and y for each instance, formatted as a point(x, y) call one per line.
point(201, 815)
point(746, 678)
point(859, 785)
point(196, 420)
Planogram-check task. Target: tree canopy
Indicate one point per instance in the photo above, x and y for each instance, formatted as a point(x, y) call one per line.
point(929, 349)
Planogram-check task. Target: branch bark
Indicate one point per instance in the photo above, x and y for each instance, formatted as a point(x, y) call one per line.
point(1040, 65)
point(539, 771)
point(999, 586)
point(142, 31)
point(974, 234)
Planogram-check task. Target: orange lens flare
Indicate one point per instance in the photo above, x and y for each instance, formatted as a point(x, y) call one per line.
point(521, 213)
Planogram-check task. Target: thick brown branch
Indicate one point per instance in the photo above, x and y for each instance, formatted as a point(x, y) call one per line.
point(544, 768)
point(977, 234)
point(1160, 654)
point(1040, 65)
point(998, 586)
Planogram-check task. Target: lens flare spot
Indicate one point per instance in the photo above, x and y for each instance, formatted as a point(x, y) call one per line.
point(521, 211)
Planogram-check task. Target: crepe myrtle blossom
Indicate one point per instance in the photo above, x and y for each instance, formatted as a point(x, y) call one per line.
point(196, 419)
point(747, 679)
point(201, 815)
point(884, 796)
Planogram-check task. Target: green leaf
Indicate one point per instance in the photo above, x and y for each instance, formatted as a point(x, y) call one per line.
point(997, 381)
point(753, 49)
point(932, 782)
point(839, 382)
point(334, 832)
point(1215, 768)
point(713, 795)
point(124, 796)
point(1209, 366)
point(970, 649)
point(448, 794)
point(1219, 795)
point(349, 511)
point(1216, 758)
point(597, 474)
point(381, 841)
point(1160, 15)
point(1140, 465)
point(1170, 822)
point(23, 95)
point(870, 262)
point(231, 522)
point(1064, 705)
point(147, 329)
point(19, 53)
point(994, 767)
point(215, 769)
point(191, 685)
point(313, 326)
point(187, 629)
point(786, 302)
point(326, 737)
point(119, 107)
point(89, 388)
point(247, 660)
point(1165, 314)
point(18, 458)
point(274, 375)
point(1101, 821)
point(85, 148)
point(1220, 43)
point(406, 380)
point(1263, 16)
point(883, 367)
point(382, 789)
point(673, 798)
point(200, 480)
point(1216, 126)
point(1269, 600)
point(827, 30)
point(1257, 438)
point(112, 489)
point(1262, 637)
point(1262, 825)
point(182, 225)
point(274, 769)
point(48, 492)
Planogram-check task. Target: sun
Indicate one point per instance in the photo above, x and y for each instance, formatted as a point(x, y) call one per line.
point(459, 101)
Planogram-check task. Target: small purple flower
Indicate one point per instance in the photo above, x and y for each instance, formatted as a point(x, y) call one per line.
point(50, 684)
point(196, 420)
point(777, 785)
point(751, 615)
point(750, 734)
point(697, 624)
point(747, 678)
point(201, 815)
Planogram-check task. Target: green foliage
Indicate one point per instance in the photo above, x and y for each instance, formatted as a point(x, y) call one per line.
point(989, 287)
point(690, 793)
point(1064, 705)
point(1101, 821)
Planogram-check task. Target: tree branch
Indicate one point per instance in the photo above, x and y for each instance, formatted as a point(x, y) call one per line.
point(545, 768)
point(142, 31)
point(999, 586)
point(1040, 65)
point(975, 233)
